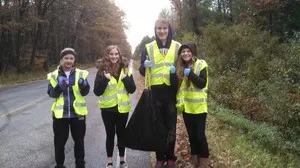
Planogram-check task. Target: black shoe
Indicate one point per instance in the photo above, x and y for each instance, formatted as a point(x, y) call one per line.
point(60, 166)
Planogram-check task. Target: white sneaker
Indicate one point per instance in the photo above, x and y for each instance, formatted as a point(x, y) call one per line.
point(109, 166)
point(124, 165)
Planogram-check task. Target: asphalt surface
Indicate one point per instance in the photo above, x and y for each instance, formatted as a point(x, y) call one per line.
point(26, 136)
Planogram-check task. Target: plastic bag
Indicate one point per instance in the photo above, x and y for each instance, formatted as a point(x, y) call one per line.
point(145, 130)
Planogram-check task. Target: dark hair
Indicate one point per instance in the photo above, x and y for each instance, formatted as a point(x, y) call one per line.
point(66, 51)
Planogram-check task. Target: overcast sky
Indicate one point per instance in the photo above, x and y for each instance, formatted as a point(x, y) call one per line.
point(141, 15)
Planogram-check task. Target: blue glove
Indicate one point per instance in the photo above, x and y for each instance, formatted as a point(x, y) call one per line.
point(186, 71)
point(147, 64)
point(81, 83)
point(63, 82)
point(172, 69)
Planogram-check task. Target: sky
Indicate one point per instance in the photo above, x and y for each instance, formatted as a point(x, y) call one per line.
point(141, 16)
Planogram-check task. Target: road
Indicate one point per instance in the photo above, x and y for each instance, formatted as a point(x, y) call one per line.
point(26, 136)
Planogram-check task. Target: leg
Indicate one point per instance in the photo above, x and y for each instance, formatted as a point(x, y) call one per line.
point(170, 118)
point(200, 136)
point(191, 129)
point(109, 120)
point(120, 127)
point(78, 128)
point(61, 134)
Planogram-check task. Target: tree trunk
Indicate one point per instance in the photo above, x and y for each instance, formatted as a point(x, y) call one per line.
point(195, 17)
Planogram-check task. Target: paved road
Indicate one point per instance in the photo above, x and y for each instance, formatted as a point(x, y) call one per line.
point(26, 137)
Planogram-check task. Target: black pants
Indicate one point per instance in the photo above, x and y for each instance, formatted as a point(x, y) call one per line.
point(195, 125)
point(114, 122)
point(167, 109)
point(61, 133)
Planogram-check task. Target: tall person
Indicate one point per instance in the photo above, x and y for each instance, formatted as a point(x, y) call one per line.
point(113, 83)
point(159, 56)
point(67, 85)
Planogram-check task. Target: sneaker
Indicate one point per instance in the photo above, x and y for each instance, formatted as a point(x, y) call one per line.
point(124, 165)
point(159, 164)
point(171, 164)
point(109, 166)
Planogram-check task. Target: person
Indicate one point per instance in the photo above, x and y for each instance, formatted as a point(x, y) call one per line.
point(191, 76)
point(158, 56)
point(68, 85)
point(113, 83)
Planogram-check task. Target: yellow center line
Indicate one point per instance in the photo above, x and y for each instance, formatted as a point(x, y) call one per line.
point(23, 107)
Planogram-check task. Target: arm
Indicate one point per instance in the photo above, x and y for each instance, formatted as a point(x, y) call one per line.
point(129, 84)
point(143, 58)
point(54, 92)
point(84, 90)
point(199, 81)
point(100, 85)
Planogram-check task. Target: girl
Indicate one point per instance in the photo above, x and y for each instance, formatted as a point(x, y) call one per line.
point(191, 78)
point(113, 84)
point(68, 85)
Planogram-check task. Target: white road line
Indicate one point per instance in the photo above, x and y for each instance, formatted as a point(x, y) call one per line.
point(22, 107)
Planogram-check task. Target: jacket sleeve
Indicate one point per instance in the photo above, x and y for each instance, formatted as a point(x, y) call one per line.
point(86, 89)
point(143, 58)
point(129, 83)
point(54, 92)
point(199, 81)
point(100, 85)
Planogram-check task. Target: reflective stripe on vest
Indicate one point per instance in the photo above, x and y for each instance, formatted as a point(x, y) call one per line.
point(192, 99)
point(160, 70)
point(116, 94)
point(79, 103)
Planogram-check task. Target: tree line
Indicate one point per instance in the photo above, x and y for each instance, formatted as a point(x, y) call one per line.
point(253, 51)
point(33, 32)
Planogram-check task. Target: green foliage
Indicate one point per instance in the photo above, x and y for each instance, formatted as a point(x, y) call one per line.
point(268, 137)
point(139, 48)
point(253, 72)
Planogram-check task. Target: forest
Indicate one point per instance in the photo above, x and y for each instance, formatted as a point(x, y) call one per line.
point(252, 48)
point(33, 32)
point(253, 52)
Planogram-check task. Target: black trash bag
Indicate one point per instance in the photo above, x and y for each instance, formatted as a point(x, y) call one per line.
point(145, 130)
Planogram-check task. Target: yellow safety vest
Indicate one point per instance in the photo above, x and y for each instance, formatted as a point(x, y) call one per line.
point(160, 70)
point(191, 99)
point(116, 94)
point(79, 103)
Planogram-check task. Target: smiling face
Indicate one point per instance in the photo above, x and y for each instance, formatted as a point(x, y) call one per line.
point(186, 54)
point(162, 30)
point(114, 55)
point(68, 61)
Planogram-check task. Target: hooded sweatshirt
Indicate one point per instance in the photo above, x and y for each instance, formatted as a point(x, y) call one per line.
point(159, 89)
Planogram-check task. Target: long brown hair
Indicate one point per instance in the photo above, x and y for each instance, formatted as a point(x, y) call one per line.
point(180, 64)
point(105, 65)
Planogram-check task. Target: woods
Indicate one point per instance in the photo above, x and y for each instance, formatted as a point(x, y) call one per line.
point(34, 32)
point(253, 51)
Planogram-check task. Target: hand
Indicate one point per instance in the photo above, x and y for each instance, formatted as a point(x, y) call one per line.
point(147, 64)
point(123, 76)
point(107, 75)
point(186, 71)
point(81, 83)
point(172, 69)
point(63, 82)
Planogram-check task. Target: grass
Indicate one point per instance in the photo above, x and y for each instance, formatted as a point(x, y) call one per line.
point(16, 78)
point(230, 146)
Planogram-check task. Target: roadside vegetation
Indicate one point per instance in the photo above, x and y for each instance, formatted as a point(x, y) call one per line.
point(252, 48)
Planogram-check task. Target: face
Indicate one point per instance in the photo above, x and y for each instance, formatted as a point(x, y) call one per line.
point(162, 31)
point(186, 54)
point(68, 61)
point(114, 55)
